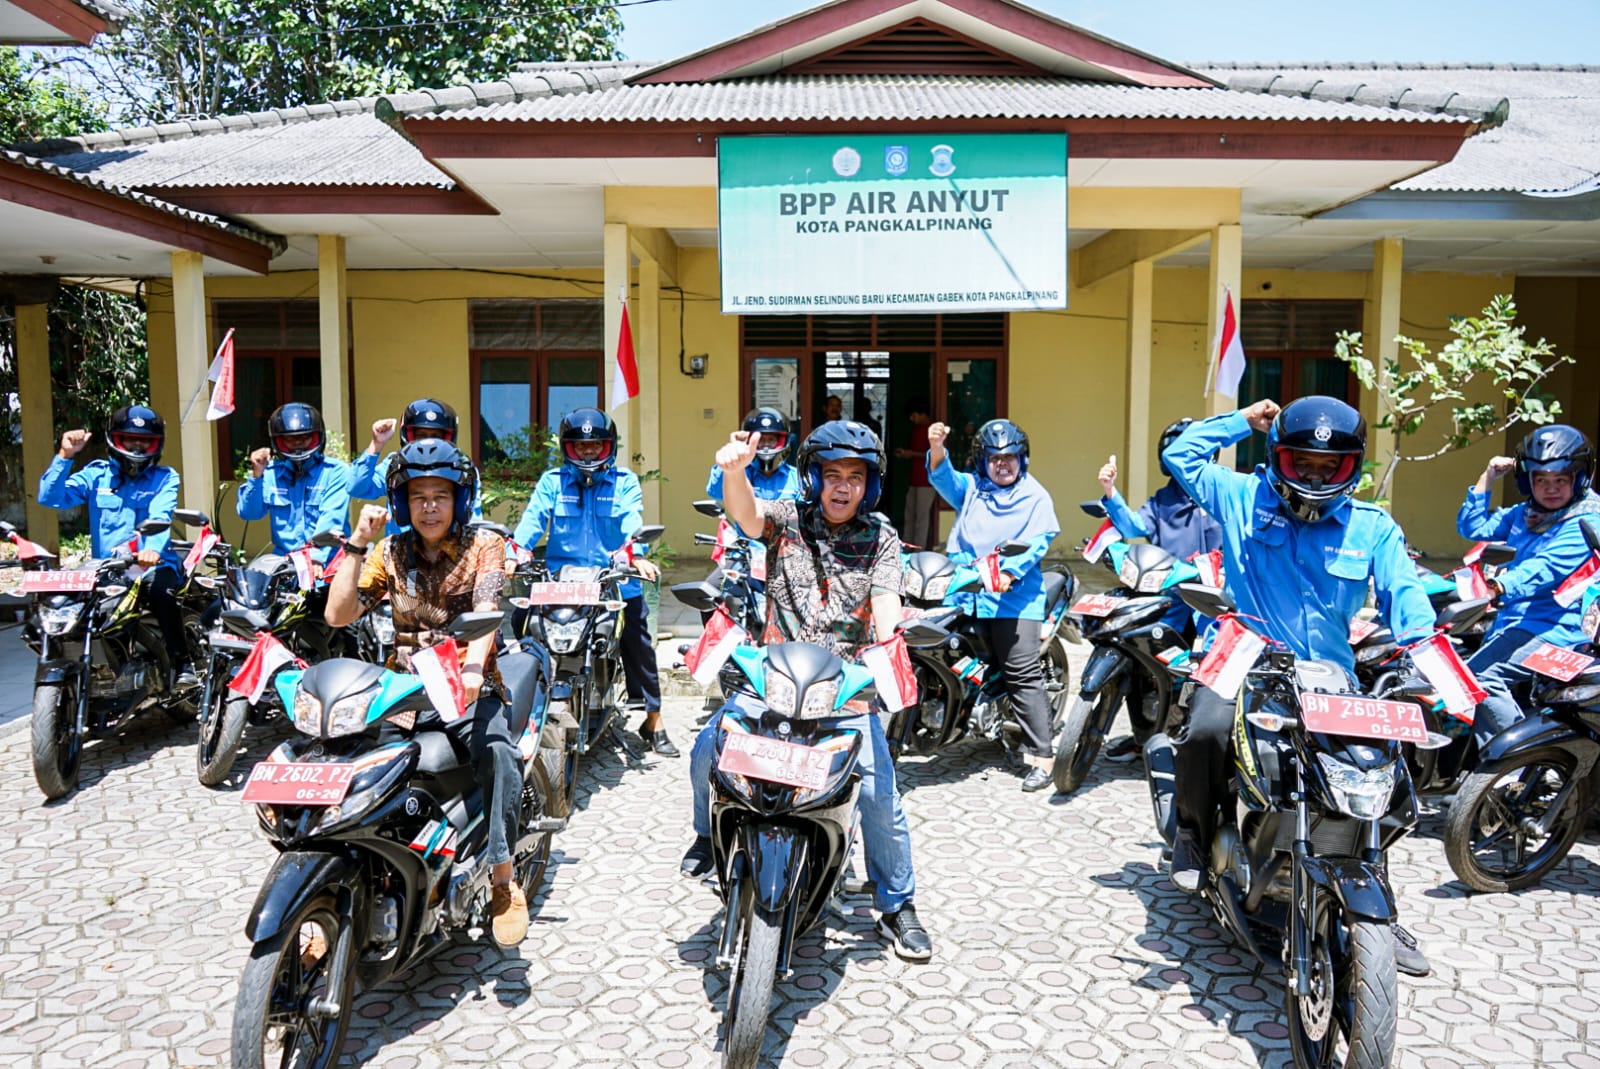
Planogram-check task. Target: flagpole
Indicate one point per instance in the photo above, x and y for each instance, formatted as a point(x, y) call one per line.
point(203, 382)
point(1215, 363)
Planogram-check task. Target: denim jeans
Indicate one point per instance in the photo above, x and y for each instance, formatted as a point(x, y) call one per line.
point(1497, 664)
point(885, 835)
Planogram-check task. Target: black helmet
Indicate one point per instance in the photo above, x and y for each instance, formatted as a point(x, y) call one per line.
point(1557, 448)
point(296, 418)
point(431, 458)
point(998, 438)
point(425, 413)
point(135, 435)
point(588, 425)
point(841, 439)
point(1316, 425)
point(1173, 432)
point(774, 431)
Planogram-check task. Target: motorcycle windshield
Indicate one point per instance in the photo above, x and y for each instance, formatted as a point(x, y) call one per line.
point(395, 687)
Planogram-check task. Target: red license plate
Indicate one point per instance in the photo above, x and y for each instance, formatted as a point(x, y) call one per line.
point(564, 593)
point(1095, 605)
point(298, 783)
point(775, 761)
point(1557, 663)
point(57, 582)
point(1362, 718)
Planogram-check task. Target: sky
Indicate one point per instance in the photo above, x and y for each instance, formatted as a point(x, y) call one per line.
point(1432, 31)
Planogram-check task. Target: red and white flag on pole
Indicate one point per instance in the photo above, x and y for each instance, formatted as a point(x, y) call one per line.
point(439, 668)
point(726, 536)
point(625, 370)
point(1233, 653)
point(204, 543)
point(1209, 565)
point(266, 657)
point(27, 550)
point(1572, 588)
point(1442, 667)
point(1471, 556)
point(1229, 366)
point(305, 569)
point(988, 571)
point(1096, 546)
point(890, 664)
point(1470, 583)
point(220, 375)
point(717, 643)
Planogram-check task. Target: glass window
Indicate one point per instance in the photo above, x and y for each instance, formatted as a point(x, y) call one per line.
point(572, 383)
point(505, 401)
point(970, 401)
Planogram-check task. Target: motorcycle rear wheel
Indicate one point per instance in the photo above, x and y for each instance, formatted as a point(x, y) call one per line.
point(1349, 1021)
point(1057, 680)
point(271, 1018)
point(222, 725)
point(57, 746)
point(1082, 738)
point(750, 994)
point(1486, 838)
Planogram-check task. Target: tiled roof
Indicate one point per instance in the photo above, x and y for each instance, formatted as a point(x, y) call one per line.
point(271, 241)
point(1549, 144)
point(112, 13)
point(869, 98)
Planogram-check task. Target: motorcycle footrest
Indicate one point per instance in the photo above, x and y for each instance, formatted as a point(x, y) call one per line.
point(545, 824)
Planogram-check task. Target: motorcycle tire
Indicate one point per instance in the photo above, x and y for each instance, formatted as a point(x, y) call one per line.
point(221, 731)
point(750, 994)
point(539, 796)
point(1057, 680)
point(284, 973)
point(1482, 817)
point(57, 746)
point(567, 781)
point(1081, 738)
point(1355, 998)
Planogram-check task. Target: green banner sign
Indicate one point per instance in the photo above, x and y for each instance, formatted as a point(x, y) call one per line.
point(892, 223)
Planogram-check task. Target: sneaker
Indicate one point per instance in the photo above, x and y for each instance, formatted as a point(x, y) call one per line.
point(698, 861)
point(1037, 779)
point(185, 679)
point(1123, 750)
point(508, 913)
point(906, 934)
point(1188, 866)
point(1408, 957)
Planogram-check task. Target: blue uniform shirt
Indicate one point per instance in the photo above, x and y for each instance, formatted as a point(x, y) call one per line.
point(299, 507)
point(782, 485)
point(585, 524)
point(1302, 582)
point(117, 505)
point(1544, 561)
point(1025, 599)
point(367, 485)
point(1172, 520)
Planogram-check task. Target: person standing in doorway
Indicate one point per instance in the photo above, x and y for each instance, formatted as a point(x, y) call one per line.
point(919, 526)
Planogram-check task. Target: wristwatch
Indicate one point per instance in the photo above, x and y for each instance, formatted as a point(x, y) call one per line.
point(354, 550)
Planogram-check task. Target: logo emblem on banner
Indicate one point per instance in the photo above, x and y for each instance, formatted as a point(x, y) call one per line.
point(896, 159)
point(942, 166)
point(846, 162)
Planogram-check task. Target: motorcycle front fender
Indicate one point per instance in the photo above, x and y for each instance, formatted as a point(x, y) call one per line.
point(775, 854)
point(1358, 887)
point(58, 671)
point(1105, 664)
point(294, 879)
point(1534, 732)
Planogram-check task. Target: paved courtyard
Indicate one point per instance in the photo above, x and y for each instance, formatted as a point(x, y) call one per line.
point(1058, 941)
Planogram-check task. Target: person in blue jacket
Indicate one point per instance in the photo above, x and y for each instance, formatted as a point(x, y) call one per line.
point(999, 503)
point(122, 493)
point(1554, 468)
point(1298, 556)
point(587, 507)
point(424, 418)
point(1174, 521)
point(302, 492)
point(772, 477)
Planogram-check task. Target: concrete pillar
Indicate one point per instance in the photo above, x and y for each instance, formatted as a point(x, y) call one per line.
point(647, 349)
point(1224, 272)
point(1380, 326)
point(39, 437)
point(1136, 462)
point(333, 300)
point(196, 452)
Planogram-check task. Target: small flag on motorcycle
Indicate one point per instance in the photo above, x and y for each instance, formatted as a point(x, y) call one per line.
point(1572, 588)
point(305, 569)
point(1470, 583)
point(1442, 667)
point(266, 657)
point(988, 571)
point(204, 543)
point(27, 550)
point(1096, 546)
point(890, 664)
point(1233, 653)
point(1209, 565)
point(439, 668)
point(717, 643)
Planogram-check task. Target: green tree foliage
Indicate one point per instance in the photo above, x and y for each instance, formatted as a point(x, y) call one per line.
point(36, 102)
point(1422, 383)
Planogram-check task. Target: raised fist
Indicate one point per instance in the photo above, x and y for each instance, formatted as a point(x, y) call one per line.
point(258, 461)
point(73, 441)
point(1261, 414)
point(374, 520)
point(1499, 467)
point(382, 431)
point(1108, 476)
point(739, 452)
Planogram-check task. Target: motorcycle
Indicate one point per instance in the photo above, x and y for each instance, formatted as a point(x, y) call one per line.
point(739, 580)
point(380, 844)
point(1297, 869)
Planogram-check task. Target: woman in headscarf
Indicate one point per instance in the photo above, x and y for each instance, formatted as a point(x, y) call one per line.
point(999, 502)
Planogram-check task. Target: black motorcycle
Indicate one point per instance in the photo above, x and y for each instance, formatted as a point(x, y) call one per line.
point(738, 581)
point(380, 845)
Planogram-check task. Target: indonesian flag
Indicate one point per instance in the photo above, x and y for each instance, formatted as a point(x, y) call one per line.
point(1230, 351)
point(988, 571)
point(1209, 565)
point(518, 554)
point(1096, 546)
point(758, 561)
point(1572, 588)
point(266, 657)
point(1472, 555)
point(717, 643)
point(220, 376)
point(332, 566)
point(1470, 583)
point(27, 550)
point(625, 371)
point(204, 543)
point(1233, 653)
point(305, 569)
point(1442, 667)
point(890, 664)
point(439, 668)
point(624, 557)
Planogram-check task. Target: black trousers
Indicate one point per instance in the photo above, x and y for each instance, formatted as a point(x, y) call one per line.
point(1016, 646)
point(161, 597)
point(1203, 762)
point(639, 655)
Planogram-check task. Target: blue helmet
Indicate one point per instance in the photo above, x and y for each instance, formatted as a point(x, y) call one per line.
point(1316, 425)
point(588, 425)
point(841, 439)
point(998, 438)
point(431, 458)
point(292, 420)
point(1557, 448)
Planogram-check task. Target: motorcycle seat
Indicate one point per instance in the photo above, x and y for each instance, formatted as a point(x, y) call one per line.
point(1054, 584)
point(439, 754)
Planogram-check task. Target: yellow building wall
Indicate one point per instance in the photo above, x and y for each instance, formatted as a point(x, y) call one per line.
point(1566, 313)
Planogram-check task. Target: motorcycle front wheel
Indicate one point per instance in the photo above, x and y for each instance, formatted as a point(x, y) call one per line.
point(1057, 680)
point(222, 723)
point(1082, 737)
point(1491, 836)
point(1348, 1020)
point(750, 994)
point(273, 1020)
point(57, 746)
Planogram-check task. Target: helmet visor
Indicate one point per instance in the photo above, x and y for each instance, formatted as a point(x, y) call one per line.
point(773, 442)
point(1310, 468)
point(139, 445)
point(297, 444)
point(417, 434)
point(587, 450)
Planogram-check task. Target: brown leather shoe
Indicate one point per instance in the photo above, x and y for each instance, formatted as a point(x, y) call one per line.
point(508, 913)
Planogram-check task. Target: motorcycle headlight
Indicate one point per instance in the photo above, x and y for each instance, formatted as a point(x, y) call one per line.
point(348, 715)
point(1362, 793)
point(913, 583)
point(59, 619)
point(564, 638)
point(818, 703)
point(781, 694)
point(1128, 573)
point(1574, 694)
point(1151, 582)
point(1368, 655)
point(936, 588)
point(307, 714)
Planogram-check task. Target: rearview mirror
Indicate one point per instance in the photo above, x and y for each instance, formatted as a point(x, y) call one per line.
point(494, 528)
point(649, 533)
point(191, 518)
point(1591, 534)
point(154, 527)
point(1014, 549)
point(1459, 614)
point(920, 634)
point(6, 530)
point(1093, 508)
point(708, 508)
point(471, 626)
point(1498, 553)
point(701, 596)
point(327, 539)
point(1207, 600)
